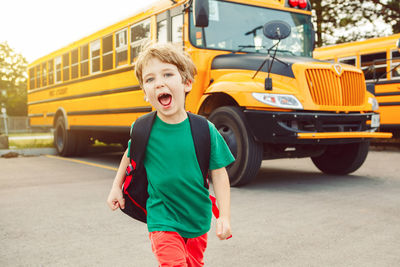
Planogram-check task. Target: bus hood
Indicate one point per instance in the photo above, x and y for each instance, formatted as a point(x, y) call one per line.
point(254, 61)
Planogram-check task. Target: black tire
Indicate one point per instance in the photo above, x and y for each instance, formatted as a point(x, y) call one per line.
point(231, 124)
point(64, 141)
point(342, 159)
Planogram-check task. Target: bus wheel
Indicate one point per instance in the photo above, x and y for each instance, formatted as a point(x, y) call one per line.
point(342, 159)
point(64, 141)
point(230, 122)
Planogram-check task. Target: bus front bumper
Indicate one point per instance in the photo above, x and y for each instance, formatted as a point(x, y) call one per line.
point(311, 127)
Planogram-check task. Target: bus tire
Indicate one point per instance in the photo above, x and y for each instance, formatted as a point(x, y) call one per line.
point(231, 124)
point(342, 159)
point(64, 140)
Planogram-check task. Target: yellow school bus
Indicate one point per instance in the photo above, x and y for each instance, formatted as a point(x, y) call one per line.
point(257, 82)
point(379, 59)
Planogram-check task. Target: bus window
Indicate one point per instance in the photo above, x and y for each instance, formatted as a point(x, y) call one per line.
point(74, 64)
point(177, 29)
point(374, 66)
point(32, 78)
point(107, 52)
point(44, 74)
point(84, 60)
point(140, 33)
point(51, 72)
point(395, 62)
point(58, 69)
point(95, 56)
point(162, 35)
point(348, 61)
point(38, 76)
point(121, 48)
point(65, 59)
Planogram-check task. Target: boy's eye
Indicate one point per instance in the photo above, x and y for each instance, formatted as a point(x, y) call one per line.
point(168, 74)
point(149, 80)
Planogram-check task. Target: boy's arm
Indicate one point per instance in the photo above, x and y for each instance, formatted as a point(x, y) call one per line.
point(115, 198)
point(222, 192)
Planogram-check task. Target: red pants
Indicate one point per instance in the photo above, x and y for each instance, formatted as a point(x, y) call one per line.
point(171, 249)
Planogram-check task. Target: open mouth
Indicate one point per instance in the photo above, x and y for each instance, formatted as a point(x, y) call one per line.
point(165, 99)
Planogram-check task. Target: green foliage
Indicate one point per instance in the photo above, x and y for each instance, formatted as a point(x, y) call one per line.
point(13, 81)
point(341, 21)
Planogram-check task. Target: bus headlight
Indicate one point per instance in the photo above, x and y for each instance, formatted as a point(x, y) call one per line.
point(374, 103)
point(276, 100)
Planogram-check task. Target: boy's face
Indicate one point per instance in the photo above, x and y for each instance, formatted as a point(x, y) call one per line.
point(165, 90)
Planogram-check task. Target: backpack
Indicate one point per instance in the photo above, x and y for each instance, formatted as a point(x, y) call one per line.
point(135, 186)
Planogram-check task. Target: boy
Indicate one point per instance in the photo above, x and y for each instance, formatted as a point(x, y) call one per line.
point(178, 207)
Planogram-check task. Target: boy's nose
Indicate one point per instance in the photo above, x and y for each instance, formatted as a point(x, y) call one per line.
point(159, 82)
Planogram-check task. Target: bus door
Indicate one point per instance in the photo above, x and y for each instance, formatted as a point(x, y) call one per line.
point(170, 26)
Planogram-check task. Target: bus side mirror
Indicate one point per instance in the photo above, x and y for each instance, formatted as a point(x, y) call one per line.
point(277, 30)
point(398, 44)
point(200, 12)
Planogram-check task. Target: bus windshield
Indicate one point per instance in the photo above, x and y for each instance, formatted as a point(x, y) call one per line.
point(237, 27)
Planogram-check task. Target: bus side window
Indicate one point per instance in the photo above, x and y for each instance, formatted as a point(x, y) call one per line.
point(74, 64)
point(374, 66)
point(348, 61)
point(31, 78)
point(38, 76)
point(170, 26)
point(50, 74)
point(57, 62)
point(44, 74)
point(65, 60)
point(107, 52)
point(395, 62)
point(140, 34)
point(121, 48)
point(95, 56)
point(84, 60)
point(177, 29)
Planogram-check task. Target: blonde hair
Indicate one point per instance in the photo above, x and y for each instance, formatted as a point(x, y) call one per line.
point(167, 53)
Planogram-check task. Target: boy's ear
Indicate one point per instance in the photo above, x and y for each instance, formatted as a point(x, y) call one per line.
point(188, 86)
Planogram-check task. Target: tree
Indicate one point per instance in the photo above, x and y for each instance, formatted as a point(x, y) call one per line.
point(13, 81)
point(341, 21)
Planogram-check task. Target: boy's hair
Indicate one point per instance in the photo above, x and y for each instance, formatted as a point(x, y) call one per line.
point(167, 53)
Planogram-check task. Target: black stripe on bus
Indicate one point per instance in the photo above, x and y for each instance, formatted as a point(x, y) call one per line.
point(35, 115)
point(119, 129)
point(389, 104)
point(386, 82)
point(91, 77)
point(97, 93)
point(387, 94)
point(110, 111)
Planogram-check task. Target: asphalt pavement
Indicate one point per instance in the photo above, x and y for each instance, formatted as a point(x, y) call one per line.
point(53, 212)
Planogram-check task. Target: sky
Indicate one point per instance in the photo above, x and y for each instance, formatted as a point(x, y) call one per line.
point(35, 28)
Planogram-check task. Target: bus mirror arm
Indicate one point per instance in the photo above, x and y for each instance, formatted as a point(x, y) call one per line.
point(383, 74)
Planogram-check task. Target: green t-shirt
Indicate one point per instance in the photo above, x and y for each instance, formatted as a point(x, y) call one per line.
point(178, 200)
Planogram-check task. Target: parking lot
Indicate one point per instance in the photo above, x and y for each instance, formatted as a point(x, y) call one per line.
point(53, 212)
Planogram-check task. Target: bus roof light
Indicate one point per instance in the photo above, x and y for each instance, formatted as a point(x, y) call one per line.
point(302, 3)
point(293, 3)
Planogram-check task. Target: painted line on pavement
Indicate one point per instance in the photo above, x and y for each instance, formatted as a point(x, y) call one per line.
point(83, 162)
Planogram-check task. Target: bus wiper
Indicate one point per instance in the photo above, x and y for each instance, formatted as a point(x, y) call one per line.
point(247, 46)
point(284, 51)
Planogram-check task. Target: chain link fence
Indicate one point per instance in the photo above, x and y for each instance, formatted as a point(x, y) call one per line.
point(14, 124)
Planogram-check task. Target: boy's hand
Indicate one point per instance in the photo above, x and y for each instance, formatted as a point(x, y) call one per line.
point(115, 199)
point(223, 228)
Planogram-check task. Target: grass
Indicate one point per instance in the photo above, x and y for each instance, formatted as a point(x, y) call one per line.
point(30, 142)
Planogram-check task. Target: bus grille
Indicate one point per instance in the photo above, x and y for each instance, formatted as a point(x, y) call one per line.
point(328, 89)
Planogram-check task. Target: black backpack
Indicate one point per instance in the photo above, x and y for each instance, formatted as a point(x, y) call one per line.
point(135, 186)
